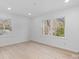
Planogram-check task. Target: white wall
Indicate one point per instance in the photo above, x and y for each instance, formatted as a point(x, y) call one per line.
point(71, 40)
point(20, 27)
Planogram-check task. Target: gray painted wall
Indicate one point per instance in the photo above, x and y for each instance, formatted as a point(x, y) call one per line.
point(20, 29)
point(71, 40)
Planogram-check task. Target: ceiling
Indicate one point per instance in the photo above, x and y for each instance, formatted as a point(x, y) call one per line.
point(36, 7)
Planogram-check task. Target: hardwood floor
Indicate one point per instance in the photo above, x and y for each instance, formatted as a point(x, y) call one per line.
point(32, 50)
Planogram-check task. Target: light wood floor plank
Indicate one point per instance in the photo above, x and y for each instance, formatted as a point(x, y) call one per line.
point(33, 50)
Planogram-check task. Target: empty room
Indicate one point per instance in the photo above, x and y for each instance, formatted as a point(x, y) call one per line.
point(39, 29)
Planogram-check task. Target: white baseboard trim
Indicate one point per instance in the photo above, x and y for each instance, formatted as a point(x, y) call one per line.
point(56, 47)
